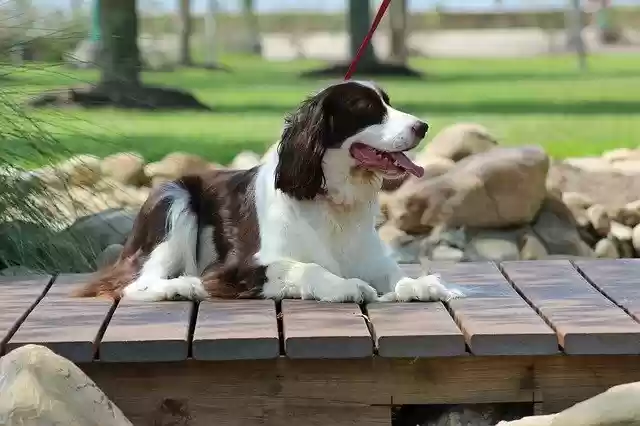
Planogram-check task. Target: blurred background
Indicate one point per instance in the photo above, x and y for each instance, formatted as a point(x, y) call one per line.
point(103, 99)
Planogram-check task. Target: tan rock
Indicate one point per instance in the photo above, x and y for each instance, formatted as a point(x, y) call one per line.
point(80, 170)
point(620, 232)
point(126, 168)
point(39, 387)
point(174, 166)
point(457, 142)
point(532, 247)
point(621, 154)
point(599, 219)
point(606, 248)
point(576, 200)
point(505, 187)
point(635, 239)
point(617, 406)
point(245, 160)
point(558, 230)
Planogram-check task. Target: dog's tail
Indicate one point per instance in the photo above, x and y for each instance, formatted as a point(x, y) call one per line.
point(169, 215)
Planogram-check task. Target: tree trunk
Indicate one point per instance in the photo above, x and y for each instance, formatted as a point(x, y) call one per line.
point(359, 23)
point(575, 33)
point(251, 21)
point(398, 24)
point(119, 56)
point(76, 10)
point(185, 32)
point(211, 59)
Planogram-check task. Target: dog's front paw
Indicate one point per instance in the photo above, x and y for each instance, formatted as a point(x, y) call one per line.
point(353, 290)
point(427, 288)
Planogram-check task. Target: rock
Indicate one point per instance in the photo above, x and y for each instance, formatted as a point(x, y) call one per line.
point(403, 248)
point(126, 168)
point(493, 244)
point(620, 232)
point(532, 247)
point(621, 154)
point(576, 200)
point(617, 406)
point(628, 215)
point(443, 252)
point(606, 248)
point(558, 230)
point(109, 256)
point(39, 387)
point(489, 190)
point(103, 229)
point(609, 187)
point(458, 141)
point(245, 160)
point(598, 218)
point(80, 170)
point(174, 166)
point(590, 164)
point(635, 239)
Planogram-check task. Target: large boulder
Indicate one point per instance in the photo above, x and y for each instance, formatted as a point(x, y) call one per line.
point(126, 168)
point(501, 188)
point(39, 387)
point(174, 166)
point(556, 227)
point(457, 142)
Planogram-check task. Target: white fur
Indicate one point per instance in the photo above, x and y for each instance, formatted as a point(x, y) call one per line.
point(175, 255)
point(325, 249)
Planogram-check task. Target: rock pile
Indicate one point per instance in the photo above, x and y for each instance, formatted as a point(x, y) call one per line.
point(482, 201)
point(478, 200)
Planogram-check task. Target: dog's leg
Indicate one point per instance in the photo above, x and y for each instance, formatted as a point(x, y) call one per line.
point(154, 284)
point(289, 279)
point(176, 255)
point(387, 277)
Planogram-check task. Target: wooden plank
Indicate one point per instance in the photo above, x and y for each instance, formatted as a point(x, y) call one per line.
point(67, 325)
point(325, 330)
point(586, 322)
point(409, 330)
point(619, 279)
point(236, 329)
point(494, 318)
point(147, 332)
point(220, 391)
point(18, 296)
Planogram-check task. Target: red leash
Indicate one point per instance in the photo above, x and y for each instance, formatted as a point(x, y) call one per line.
point(374, 25)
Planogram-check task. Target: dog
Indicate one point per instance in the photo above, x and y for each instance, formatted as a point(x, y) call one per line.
point(299, 225)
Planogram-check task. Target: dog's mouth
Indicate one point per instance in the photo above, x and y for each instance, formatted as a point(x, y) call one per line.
point(392, 164)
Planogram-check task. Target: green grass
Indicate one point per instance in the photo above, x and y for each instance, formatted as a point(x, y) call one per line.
point(542, 101)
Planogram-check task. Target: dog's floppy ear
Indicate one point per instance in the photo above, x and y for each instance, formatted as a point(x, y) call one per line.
point(301, 150)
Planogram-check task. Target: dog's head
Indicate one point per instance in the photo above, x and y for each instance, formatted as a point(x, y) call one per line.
point(346, 128)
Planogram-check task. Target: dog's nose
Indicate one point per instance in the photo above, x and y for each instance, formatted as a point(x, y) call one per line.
point(420, 129)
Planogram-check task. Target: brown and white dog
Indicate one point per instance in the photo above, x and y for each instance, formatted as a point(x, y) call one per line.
point(300, 225)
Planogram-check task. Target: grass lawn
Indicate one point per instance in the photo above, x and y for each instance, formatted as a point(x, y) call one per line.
point(541, 101)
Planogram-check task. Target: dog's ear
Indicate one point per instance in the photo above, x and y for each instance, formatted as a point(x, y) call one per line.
point(301, 150)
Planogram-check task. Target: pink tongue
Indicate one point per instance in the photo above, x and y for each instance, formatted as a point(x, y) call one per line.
point(407, 164)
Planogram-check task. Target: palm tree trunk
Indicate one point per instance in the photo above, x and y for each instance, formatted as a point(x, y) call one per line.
point(119, 56)
point(359, 23)
point(251, 21)
point(185, 32)
point(398, 24)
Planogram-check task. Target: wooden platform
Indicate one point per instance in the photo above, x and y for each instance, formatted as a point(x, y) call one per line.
point(548, 333)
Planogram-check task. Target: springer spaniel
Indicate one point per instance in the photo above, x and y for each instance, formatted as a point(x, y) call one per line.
point(300, 225)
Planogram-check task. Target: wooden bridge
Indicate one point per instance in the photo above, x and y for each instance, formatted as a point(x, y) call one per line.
point(548, 333)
